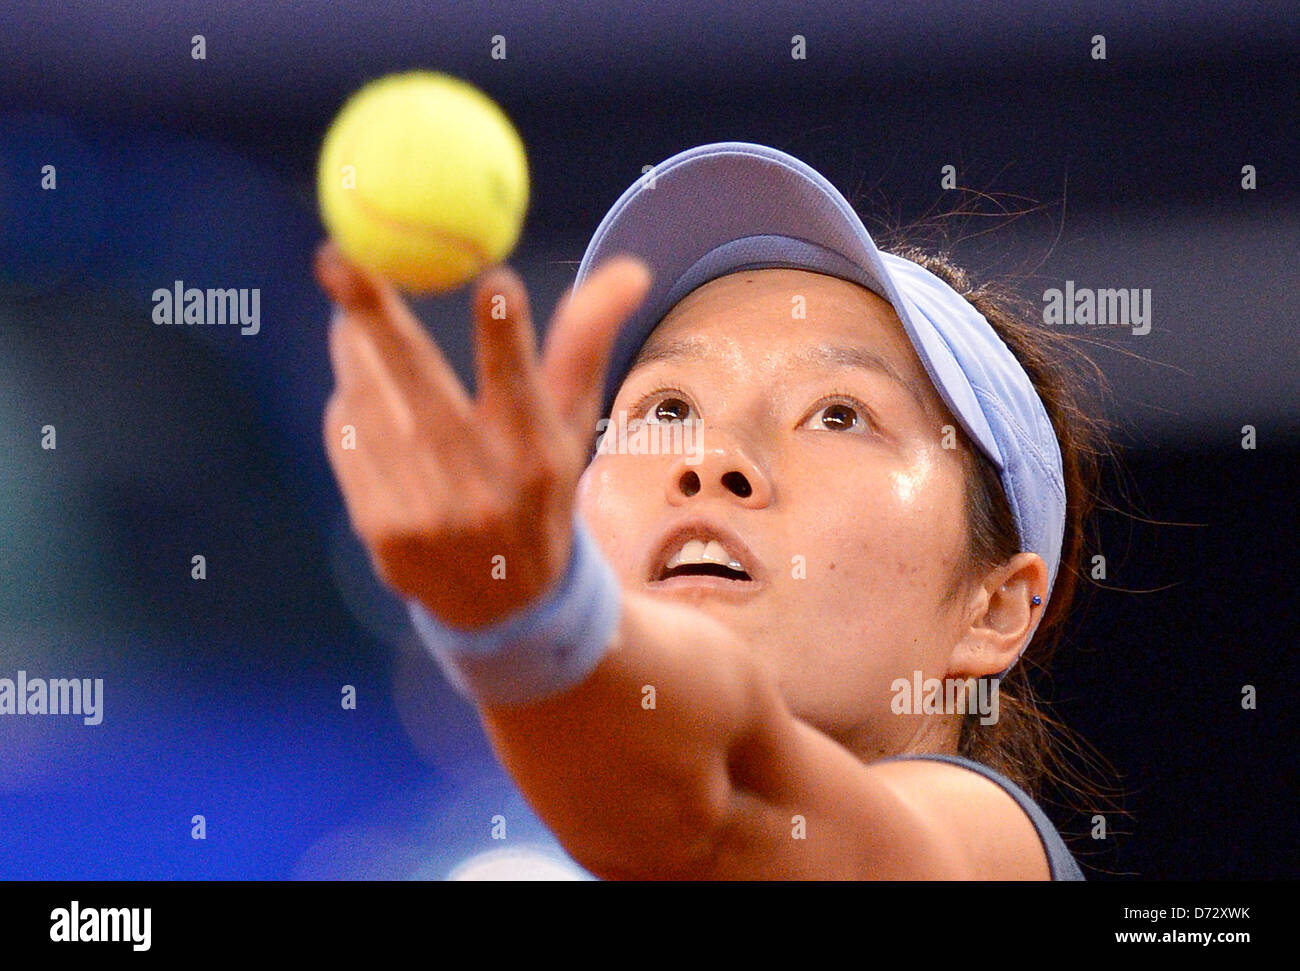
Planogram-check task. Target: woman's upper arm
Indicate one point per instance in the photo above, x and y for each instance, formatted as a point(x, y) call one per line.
point(678, 757)
point(987, 829)
point(805, 807)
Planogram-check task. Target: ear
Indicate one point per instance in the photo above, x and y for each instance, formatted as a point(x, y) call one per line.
point(1000, 617)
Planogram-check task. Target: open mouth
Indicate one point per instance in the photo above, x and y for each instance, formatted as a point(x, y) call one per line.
point(704, 570)
point(703, 558)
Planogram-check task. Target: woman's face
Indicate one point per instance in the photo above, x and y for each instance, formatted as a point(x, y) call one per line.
point(822, 470)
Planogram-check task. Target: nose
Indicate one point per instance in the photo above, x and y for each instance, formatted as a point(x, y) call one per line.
point(725, 470)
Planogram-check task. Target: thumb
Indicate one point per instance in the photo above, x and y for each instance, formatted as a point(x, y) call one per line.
point(581, 337)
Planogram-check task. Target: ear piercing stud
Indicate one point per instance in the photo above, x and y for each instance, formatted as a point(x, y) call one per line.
point(1035, 600)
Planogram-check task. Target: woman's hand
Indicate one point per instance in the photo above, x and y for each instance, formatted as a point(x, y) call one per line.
point(467, 504)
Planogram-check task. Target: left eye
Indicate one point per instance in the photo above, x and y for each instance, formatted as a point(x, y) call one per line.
point(836, 416)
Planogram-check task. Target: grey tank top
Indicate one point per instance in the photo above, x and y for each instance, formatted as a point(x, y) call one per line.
point(1060, 861)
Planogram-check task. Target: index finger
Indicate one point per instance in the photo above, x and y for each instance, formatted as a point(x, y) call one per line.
point(413, 360)
point(582, 333)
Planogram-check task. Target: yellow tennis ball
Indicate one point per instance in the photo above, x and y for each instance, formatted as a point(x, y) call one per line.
point(423, 179)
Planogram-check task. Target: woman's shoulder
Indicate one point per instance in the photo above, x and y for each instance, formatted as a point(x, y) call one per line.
point(1060, 862)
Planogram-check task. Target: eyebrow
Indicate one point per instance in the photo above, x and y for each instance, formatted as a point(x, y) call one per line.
point(819, 355)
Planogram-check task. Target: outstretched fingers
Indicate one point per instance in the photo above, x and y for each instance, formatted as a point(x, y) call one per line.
point(409, 360)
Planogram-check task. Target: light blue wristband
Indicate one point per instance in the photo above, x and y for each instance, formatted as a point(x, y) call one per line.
point(546, 647)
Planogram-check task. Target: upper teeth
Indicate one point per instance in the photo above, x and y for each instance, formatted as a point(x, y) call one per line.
point(698, 551)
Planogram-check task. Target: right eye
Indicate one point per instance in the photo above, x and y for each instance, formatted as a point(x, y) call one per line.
point(664, 406)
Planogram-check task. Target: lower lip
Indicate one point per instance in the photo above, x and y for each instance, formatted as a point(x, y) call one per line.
point(705, 584)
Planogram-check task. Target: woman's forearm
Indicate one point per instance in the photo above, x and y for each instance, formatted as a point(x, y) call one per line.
point(630, 768)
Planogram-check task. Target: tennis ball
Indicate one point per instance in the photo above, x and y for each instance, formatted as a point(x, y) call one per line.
point(423, 179)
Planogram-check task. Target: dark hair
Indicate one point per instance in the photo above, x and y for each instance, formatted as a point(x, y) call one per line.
point(1026, 743)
